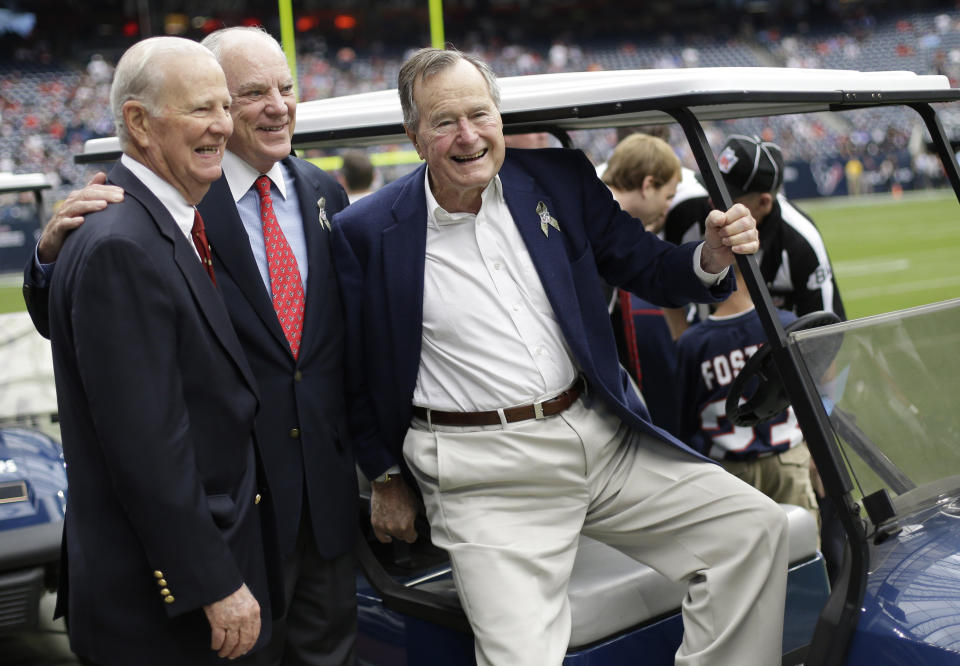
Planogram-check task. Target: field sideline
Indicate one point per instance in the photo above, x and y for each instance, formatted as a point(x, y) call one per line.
point(891, 253)
point(888, 253)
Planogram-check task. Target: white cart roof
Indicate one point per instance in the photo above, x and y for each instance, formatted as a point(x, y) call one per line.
point(585, 100)
point(23, 182)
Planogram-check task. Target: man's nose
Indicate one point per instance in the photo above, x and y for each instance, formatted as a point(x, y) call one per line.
point(466, 131)
point(223, 123)
point(274, 101)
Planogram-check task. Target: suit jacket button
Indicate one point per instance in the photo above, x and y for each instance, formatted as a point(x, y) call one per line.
point(158, 574)
point(168, 599)
point(297, 376)
point(256, 500)
point(164, 592)
point(162, 583)
point(294, 433)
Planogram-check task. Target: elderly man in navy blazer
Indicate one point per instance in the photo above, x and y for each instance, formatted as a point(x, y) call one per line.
point(269, 199)
point(480, 353)
point(164, 552)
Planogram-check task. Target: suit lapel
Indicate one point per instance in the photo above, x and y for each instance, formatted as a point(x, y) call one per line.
point(404, 256)
point(231, 247)
point(317, 238)
point(208, 298)
point(548, 251)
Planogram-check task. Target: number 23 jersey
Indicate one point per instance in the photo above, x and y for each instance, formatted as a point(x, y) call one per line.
point(710, 354)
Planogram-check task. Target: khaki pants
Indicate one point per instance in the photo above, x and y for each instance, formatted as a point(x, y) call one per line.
point(784, 477)
point(509, 503)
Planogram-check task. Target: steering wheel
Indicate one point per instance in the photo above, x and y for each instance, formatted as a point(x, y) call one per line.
point(770, 398)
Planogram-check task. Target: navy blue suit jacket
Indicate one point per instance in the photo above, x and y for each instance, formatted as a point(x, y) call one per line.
point(379, 250)
point(156, 405)
point(301, 427)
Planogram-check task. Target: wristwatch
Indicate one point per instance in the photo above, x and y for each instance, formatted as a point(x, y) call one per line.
point(386, 476)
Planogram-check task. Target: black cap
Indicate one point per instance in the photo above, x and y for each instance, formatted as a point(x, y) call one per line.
point(749, 164)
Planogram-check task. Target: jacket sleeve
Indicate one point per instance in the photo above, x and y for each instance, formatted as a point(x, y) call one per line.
point(35, 296)
point(637, 260)
point(373, 455)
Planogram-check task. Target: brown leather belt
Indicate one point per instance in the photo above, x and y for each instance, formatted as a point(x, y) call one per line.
point(538, 410)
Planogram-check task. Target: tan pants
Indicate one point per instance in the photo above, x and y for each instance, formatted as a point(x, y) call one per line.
point(784, 478)
point(509, 503)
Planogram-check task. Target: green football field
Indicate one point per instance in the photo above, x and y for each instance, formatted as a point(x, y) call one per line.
point(11, 297)
point(887, 253)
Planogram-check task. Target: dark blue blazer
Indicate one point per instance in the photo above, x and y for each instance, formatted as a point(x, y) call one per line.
point(379, 250)
point(157, 404)
point(301, 427)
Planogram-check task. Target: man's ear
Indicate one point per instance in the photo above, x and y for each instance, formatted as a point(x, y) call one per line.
point(413, 140)
point(649, 186)
point(137, 119)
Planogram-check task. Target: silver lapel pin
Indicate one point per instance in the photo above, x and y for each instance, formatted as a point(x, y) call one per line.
point(321, 204)
point(546, 220)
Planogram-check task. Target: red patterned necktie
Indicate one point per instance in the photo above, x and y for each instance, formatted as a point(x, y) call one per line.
point(199, 235)
point(285, 280)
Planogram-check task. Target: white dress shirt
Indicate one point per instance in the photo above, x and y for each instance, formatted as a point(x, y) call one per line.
point(490, 337)
point(172, 200)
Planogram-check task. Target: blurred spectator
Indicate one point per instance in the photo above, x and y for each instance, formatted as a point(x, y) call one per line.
point(853, 170)
point(356, 175)
point(642, 174)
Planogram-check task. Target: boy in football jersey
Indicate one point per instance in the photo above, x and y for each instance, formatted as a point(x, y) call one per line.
point(770, 456)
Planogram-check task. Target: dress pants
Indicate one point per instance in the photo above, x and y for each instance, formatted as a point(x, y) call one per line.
point(508, 503)
point(319, 625)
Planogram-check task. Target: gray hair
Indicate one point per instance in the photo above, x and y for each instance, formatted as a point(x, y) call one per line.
point(138, 78)
point(214, 41)
point(428, 62)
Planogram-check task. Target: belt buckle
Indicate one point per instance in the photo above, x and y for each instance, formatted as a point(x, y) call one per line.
point(538, 410)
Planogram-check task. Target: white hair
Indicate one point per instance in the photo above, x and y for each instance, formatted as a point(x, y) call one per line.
point(215, 40)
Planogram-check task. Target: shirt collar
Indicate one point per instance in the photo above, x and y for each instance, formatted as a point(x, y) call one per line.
point(181, 211)
point(437, 216)
point(241, 176)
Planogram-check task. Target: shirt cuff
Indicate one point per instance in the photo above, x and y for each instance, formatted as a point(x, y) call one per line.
point(40, 273)
point(708, 279)
point(393, 471)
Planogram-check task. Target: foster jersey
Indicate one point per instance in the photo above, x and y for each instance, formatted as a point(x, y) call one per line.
point(709, 356)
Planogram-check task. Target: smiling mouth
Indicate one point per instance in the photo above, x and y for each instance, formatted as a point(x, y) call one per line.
point(208, 150)
point(273, 128)
point(470, 158)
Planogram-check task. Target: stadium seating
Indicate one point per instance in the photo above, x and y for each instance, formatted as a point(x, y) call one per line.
point(48, 110)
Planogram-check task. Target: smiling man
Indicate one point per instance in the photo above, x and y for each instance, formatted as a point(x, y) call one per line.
point(268, 221)
point(164, 557)
point(491, 372)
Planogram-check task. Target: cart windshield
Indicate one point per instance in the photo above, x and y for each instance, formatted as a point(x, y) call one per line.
point(890, 384)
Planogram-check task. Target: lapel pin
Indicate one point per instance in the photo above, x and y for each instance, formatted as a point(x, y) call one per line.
point(546, 220)
point(321, 204)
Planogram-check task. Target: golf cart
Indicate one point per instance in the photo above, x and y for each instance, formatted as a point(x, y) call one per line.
point(33, 480)
point(874, 397)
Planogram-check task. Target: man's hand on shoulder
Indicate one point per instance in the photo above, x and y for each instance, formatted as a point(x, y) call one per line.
point(727, 234)
point(393, 509)
point(95, 196)
point(234, 623)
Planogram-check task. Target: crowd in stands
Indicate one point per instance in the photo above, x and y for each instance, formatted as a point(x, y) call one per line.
point(49, 109)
